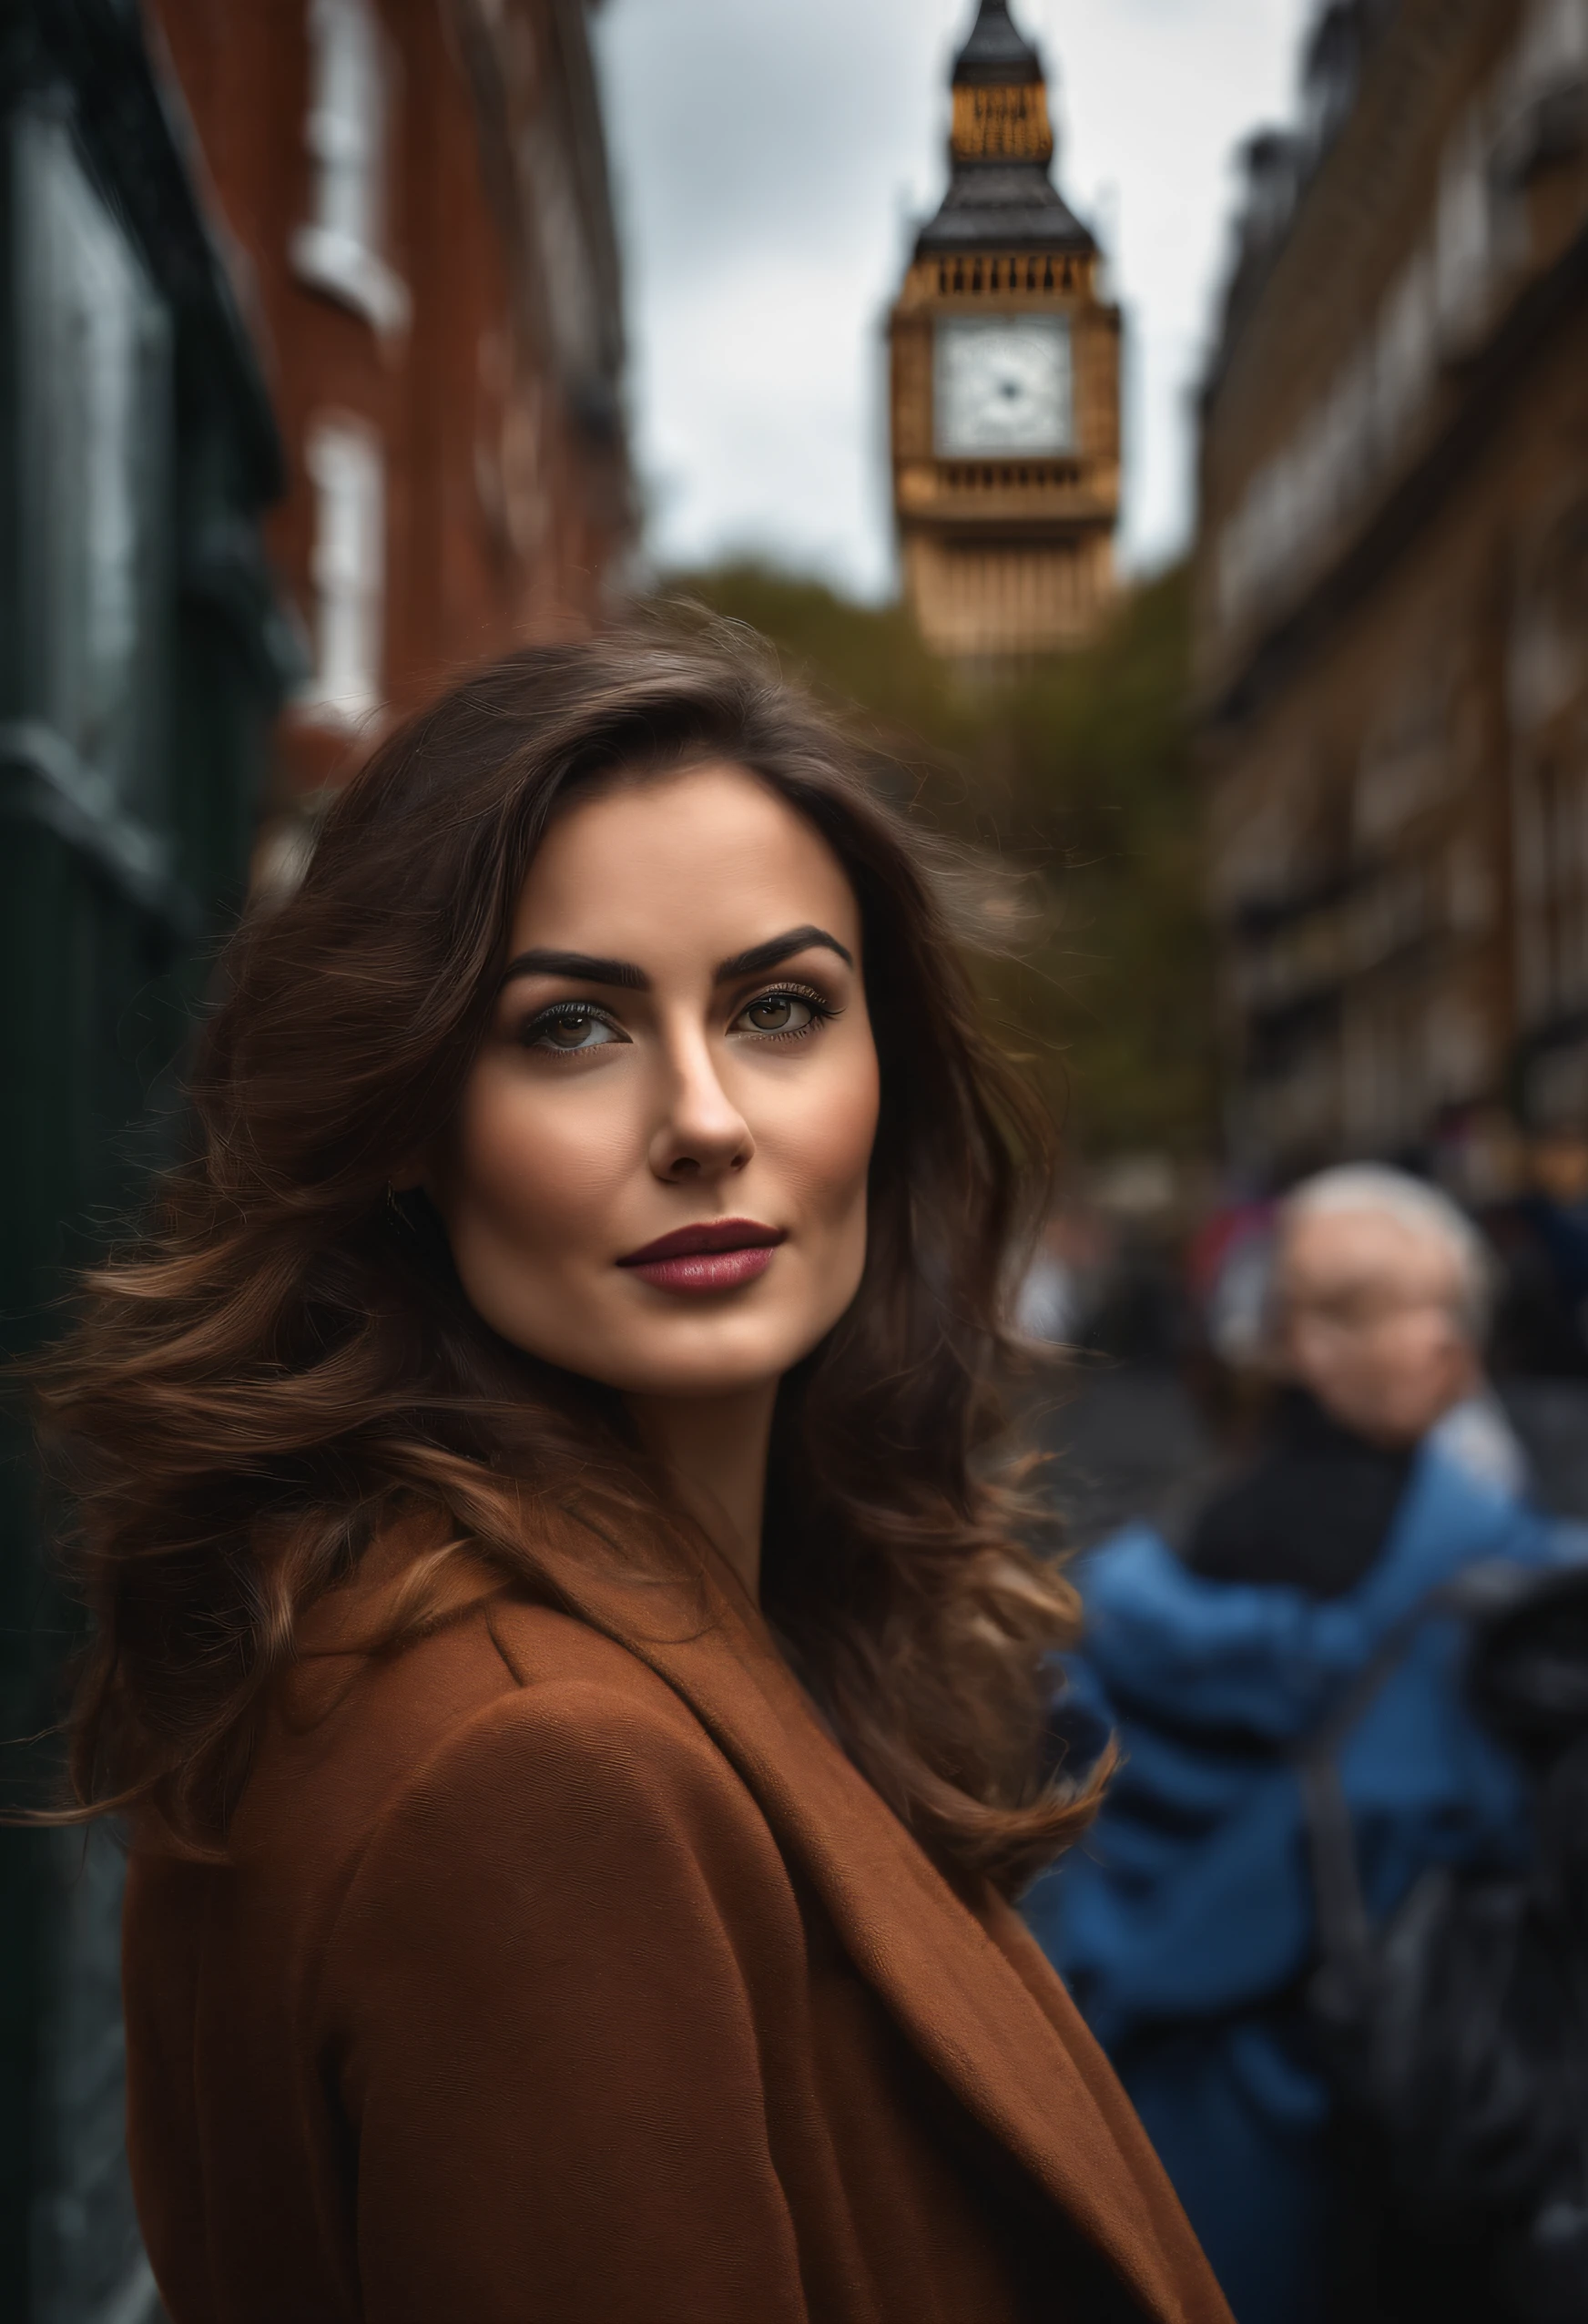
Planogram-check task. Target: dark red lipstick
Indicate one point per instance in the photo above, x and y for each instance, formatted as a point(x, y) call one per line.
point(718, 1254)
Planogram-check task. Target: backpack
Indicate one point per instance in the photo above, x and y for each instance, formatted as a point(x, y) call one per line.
point(1456, 2032)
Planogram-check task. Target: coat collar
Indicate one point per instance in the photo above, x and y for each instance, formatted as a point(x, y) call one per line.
point(954, 1992)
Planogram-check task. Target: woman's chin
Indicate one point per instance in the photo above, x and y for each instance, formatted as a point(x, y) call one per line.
point(729, 1346)
point(700, 1377)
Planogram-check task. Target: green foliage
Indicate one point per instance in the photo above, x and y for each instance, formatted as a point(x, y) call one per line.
point(1078, 774)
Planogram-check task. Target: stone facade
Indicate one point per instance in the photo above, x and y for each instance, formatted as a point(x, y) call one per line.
point(1392, 594)
point(1005, 383)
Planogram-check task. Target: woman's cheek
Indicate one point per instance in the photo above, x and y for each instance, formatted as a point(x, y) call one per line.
point(546, 1165)
point(841, 1132)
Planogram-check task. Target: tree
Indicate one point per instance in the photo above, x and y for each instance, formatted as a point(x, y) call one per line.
point(1077, 775)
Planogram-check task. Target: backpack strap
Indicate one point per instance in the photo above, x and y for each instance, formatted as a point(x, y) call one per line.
point(1345, 1929)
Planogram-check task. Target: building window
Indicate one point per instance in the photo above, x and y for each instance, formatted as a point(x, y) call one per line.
point(341, 249)
point(344, 464)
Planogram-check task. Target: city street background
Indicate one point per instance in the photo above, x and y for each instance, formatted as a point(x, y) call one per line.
point(1156, 426)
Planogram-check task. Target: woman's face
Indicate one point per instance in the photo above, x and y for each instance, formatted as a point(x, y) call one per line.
point(657, 1174)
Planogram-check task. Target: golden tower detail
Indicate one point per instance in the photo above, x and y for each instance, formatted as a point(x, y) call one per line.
point(1005, 383)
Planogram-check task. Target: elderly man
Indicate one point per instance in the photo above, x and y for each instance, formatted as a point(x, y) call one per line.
point(1186, 1924)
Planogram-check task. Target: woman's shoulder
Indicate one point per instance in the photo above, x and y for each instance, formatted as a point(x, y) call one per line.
point(512, 1795)
point(492, 1680)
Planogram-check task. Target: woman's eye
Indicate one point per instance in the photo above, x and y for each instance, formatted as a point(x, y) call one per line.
point(780, 1013)
point(571, 1030)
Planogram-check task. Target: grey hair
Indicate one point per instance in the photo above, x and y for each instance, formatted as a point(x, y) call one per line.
point(1422, 1209)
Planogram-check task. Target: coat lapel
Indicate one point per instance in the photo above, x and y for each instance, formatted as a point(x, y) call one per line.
point(1024, 2068)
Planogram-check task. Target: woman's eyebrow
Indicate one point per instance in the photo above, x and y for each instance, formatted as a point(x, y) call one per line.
point(584, 967)
point(777, 949)
point(587, 968)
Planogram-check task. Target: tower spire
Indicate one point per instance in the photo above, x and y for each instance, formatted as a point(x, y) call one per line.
point(1001, 148)
point(996, 49)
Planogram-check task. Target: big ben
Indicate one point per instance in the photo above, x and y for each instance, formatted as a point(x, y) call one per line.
point(1005, 383)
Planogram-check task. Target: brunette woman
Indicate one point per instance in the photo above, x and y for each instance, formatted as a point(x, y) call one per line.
point(575, 1693)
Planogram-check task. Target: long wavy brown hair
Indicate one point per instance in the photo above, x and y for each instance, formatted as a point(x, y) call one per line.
point(281, 1361)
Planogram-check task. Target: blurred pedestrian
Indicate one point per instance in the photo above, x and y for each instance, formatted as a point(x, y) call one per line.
point(1060, 1289)
point(1543, 1240)
point(1187, 1926)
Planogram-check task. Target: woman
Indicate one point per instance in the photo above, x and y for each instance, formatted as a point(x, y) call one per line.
point(577, 1702)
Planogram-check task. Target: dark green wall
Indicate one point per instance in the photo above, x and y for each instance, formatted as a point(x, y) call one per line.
point(116, 882)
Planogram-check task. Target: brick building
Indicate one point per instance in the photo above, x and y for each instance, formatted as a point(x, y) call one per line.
point(1393, 592)
point(415, 196)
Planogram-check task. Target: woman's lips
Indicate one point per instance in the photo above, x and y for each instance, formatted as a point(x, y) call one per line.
point(716, 1256)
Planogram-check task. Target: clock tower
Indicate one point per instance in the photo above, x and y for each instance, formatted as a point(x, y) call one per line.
point(1005, 383)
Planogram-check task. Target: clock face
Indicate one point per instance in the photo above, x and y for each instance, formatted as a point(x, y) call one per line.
point(1002, 383)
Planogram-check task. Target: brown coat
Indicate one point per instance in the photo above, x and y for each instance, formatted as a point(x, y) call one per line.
point(566, 1972)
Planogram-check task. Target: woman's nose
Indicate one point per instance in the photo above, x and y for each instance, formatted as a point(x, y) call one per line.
point(702, 1134)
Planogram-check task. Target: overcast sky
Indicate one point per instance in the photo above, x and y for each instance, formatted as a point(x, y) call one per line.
point(770, 155)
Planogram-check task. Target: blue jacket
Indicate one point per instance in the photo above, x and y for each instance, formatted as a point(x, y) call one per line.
point(1184, 1923)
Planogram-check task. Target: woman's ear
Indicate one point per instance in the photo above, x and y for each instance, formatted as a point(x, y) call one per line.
point(413, 1173)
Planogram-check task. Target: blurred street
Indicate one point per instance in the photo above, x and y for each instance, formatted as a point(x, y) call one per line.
point(1128, 1441)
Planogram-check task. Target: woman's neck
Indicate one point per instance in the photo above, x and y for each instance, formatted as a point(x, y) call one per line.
point(714, 1448)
